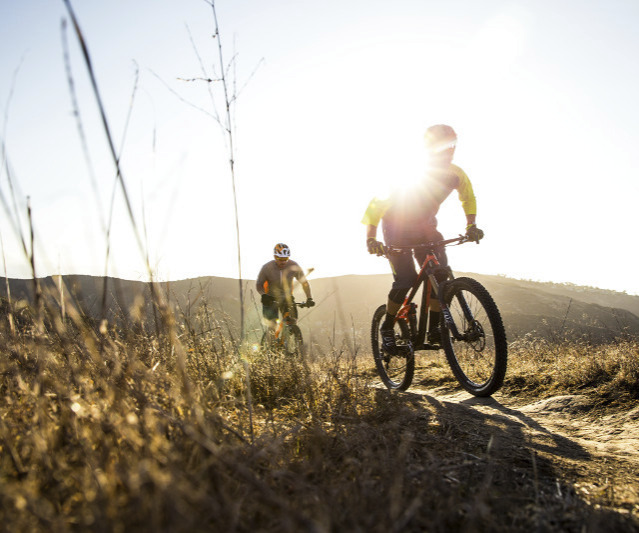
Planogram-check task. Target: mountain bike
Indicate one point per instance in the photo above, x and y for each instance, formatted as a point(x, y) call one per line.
point(472, 332)
point(286, 336)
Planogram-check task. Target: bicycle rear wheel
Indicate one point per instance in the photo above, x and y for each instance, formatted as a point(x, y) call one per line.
point(396, 371)
point(479, 359)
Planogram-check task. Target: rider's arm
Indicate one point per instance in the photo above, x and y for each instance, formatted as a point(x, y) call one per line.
point(307, 289)
point(261, 278)
point(466, 194)
point(375, 211)
point(298, 273)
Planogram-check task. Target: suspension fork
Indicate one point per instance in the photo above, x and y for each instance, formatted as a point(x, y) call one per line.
point(278, 330)
point(445, 310)
point(281, 324)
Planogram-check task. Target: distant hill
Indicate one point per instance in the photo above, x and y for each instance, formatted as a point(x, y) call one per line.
point(560, 309)
point(345, 304)
point(544, 309)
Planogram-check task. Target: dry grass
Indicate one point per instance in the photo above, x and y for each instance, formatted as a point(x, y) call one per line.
point(127, 431)
point(609, 371)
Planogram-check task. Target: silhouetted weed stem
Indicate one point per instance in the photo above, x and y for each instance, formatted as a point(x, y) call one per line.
point(156, 295)
point(80, 127)
point(12, 328)
point(36, 282)
point(107, 130)
point(228, 123)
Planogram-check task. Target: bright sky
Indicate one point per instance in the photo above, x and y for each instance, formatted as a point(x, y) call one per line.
point(334, 99)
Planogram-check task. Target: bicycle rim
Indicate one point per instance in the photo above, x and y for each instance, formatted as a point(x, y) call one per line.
point(396, 371)
point(479, 359)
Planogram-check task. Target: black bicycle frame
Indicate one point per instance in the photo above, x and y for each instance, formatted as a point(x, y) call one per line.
point(427, 276)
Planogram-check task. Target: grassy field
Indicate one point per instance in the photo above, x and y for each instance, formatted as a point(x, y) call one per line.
point(175, 429)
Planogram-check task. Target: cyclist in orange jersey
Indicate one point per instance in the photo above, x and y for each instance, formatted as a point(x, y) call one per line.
point(409, 216)
point(275, 285)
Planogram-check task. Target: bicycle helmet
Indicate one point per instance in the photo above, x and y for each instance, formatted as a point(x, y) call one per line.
point(440, 137)
point(282, 250)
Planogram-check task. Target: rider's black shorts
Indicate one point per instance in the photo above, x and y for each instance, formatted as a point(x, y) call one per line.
point(270, 312)
point(403, 265)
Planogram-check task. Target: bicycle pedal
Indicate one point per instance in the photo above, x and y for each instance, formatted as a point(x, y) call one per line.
point(404, 349)
point(428, 346)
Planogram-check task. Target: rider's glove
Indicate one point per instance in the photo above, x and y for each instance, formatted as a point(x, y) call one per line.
point(474, 233)
point(309, 302)
point(374, 246)
point(267, 299)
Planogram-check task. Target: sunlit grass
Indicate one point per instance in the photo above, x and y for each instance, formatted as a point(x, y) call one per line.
point(542, 368)
point(131, 430)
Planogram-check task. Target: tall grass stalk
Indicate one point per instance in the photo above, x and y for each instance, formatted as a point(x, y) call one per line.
point(109, 137)
point(227, 124)
point(37, 292)
point(157, 298)
point(12, 328)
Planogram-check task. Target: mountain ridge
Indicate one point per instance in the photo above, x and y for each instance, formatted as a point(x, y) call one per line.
point(345, 304)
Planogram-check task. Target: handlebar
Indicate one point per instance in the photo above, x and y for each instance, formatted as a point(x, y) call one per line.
point(400, 249)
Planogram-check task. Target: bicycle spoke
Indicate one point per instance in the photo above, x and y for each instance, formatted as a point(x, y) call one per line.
point(476, 353)
point(478, 356)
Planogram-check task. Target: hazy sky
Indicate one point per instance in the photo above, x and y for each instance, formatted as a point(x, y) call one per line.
point(334, 98)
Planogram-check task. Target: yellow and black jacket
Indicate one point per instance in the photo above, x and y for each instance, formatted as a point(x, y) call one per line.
point(409, 216)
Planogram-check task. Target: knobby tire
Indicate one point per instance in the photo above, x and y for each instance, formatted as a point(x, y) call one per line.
point(396, 371)
point(290, 343)
point(293, 342)
point(479, 362)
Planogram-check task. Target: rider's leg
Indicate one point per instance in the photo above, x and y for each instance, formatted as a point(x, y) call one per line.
point(404, 276)
point(393, 304)
point(434, 330)
point(269, 315)
point(387, 328)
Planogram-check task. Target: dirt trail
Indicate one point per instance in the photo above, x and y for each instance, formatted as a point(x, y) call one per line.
point(597, 454)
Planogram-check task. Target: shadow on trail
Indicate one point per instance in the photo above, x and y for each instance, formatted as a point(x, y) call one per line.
point(517, 426)
point(509, 472)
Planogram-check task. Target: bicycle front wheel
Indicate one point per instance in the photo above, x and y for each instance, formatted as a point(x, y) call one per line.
point(293, 343)
point(478, 358)
point(267, 340)
point(396, 371)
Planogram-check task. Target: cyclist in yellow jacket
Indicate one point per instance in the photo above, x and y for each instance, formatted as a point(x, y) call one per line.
point(409, 216)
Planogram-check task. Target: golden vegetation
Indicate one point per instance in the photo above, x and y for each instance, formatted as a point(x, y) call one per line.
point(177, 430)
point(610, 372)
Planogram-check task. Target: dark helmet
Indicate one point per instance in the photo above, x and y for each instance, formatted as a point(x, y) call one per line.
point(440, 137)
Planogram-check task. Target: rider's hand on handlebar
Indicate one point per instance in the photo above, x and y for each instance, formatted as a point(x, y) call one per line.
point(309, 302)
point(474, 233)
point(374, 246)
